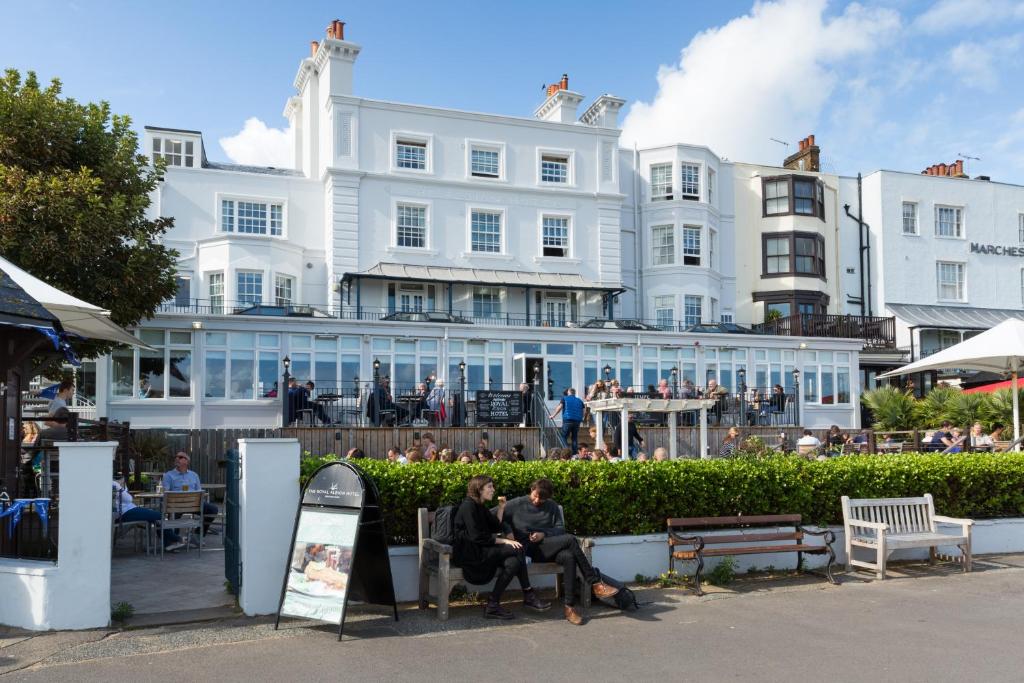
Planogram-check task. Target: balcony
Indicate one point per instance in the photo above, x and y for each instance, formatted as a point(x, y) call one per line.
point(876, 332)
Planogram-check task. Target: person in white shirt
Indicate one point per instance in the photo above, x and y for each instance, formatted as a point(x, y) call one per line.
point(127, 511)
point(65, 390)
point(808, 439)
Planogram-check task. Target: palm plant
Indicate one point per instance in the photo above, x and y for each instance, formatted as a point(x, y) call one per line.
point(892, 408)
point(965, 409)
point(935, 407)
point(999, 408)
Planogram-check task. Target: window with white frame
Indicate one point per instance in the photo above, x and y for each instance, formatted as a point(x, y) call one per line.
point(484, 162)
point(950, 279)
point(712, 248)
point(949, 221)
point(691, 245)
point(555, 235)
point(485, 365)
point(284, 285)
point(554, 168)
point(245, 365)
point(693, 310)
point(618, 359)
point(249, 287)
point(909, 218)
point(162, 371)
point(1020, 228)
point(485, 232)
point(713, 317)
point(826, 377)
point(723, 366)
point(771, 367)
point(411, 226)
point(1022, 286)
point(411, 297)
point(661, 182)
point(665, 310)
point(251, 217)
point(411, 154)
point(174, 152)
point(487, 302)
point(689, 174)
point(215, 284)
point(711, 185)
point(183, 295)
point(658, 363)
point(663, 245)
point(726, 316)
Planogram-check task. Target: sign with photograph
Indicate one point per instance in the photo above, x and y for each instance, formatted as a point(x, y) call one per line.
point(499, 407)
point(339, 549)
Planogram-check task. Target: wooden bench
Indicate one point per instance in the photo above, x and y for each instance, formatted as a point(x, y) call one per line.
point(753, 532)
point(888, 524)
point(436, 561)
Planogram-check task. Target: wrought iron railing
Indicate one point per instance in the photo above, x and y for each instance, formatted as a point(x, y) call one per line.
point(877, 332)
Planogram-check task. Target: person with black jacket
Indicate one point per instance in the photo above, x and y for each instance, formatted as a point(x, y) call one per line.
point(535, 521)
point(635, 440)
point(484, 553)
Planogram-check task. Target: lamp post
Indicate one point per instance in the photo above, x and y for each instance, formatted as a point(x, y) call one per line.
point(607, 372)
point(796, 401)
point(551, 385)
point(741, 374)
point(283, 391)
point(462, 393)
point(675, 382)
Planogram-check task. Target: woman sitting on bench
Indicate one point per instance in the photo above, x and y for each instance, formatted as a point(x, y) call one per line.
point(484, 554)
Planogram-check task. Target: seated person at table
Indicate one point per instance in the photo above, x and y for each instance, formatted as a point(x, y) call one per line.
point(126, 511)
point(181, 478)
point(317, 408)
point(533, 520)
point(808, 439)
point(941, 439)
point(380, 403)
point(660, 454)
point(957, 439)
point(980, 441)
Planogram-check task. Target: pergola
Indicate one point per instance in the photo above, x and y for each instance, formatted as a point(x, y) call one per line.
point(671, 406)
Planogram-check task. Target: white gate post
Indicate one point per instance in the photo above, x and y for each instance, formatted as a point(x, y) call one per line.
point(268, 498)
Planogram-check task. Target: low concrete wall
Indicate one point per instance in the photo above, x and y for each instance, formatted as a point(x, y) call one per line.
point(74, 593)
point(626, 556)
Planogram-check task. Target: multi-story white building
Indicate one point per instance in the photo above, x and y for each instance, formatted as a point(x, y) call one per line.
point(947, 253)
point(413, 242)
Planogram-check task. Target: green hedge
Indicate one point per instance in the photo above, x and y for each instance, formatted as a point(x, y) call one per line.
point(603, 499)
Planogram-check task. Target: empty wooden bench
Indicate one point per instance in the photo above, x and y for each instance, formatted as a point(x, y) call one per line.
point(752, 533)
point(887, 524)
point(436, 561)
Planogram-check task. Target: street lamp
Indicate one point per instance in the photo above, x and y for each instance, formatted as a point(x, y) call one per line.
point(796, 401)
point(607, 372)
point(462, 393)
point(675, 381)
point(741, 374)
point(282, 393)
point(376, 372)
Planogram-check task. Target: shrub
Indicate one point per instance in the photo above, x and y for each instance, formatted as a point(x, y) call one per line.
point(603, 499)
point(892, 408)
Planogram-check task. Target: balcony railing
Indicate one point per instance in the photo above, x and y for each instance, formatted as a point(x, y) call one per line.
point(877, 332)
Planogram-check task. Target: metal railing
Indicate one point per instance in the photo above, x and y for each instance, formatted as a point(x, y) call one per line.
point(876, 331)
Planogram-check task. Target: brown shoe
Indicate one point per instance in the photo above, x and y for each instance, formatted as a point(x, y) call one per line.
point(573, 616)
point(602, 591)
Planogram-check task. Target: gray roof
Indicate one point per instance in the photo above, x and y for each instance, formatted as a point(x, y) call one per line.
point(240, 168)
point(480, 276)
point(952, 317)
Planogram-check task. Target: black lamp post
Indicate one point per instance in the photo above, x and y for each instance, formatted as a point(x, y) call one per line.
point(536, 393)
point(741, 374)
point(283, 391)
point(376, 372)
point(607, 372)
point(796, 397)
point(675, 381)
point(462, 393)
point(551, 388)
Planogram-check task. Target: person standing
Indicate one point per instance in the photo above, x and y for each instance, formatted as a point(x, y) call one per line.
point(635, 441)
point(484, 553)
point(571, 408)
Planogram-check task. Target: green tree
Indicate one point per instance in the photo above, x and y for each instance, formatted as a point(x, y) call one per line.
point(73, 199)
point(892, 408)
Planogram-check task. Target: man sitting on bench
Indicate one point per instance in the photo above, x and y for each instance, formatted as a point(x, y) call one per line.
point(534, 521)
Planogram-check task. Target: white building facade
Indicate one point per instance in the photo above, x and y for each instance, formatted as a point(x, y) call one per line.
point(416, 242)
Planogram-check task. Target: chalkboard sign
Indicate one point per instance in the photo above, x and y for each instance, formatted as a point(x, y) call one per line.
point(499, 407)
point(338, 550)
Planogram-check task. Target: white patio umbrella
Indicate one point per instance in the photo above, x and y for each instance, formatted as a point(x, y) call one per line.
point(76, 316)
point(999, 350)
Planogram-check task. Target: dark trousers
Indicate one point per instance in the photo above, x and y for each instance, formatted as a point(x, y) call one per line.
point(571, 431)
point(511, 564)
point(566, 551)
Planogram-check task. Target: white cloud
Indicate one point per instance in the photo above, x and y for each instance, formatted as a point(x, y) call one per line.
point(977, 64)
point(768, 73)
point(956, 15)
point(259, 145)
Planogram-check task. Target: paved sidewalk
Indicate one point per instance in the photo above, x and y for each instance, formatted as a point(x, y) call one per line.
point(925, 622)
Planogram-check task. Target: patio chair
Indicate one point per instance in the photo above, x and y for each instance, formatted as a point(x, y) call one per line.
point(119, 528)
point(183, 510)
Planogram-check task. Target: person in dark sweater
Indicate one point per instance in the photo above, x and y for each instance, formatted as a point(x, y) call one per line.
point(484, 554)
point(534, 521)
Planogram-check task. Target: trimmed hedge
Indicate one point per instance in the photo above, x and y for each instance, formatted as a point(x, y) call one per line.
point(602, 499)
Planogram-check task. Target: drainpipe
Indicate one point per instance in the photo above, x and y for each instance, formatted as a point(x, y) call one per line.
point(637, 231)
point(864, 251)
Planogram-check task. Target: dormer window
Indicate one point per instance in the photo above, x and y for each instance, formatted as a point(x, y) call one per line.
point(175, 152)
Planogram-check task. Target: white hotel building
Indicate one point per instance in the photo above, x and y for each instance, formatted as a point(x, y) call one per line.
point(422, 238)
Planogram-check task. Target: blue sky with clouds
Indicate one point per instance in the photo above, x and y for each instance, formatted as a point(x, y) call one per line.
point(896, 84)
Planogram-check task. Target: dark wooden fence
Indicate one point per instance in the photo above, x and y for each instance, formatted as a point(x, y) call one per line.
point(375, 441)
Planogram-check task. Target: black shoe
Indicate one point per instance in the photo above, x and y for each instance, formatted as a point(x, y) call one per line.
point(494, 610)
point(531, 601)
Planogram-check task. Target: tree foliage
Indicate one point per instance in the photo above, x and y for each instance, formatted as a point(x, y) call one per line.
point(74, 195)
point(894, 409)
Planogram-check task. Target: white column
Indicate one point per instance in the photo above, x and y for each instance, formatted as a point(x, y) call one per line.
point(268, 498)
point(672, 447)
point(599, 425)
point(703, 430)
point(624, 445)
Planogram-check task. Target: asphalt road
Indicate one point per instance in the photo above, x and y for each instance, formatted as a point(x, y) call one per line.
point(934, 624)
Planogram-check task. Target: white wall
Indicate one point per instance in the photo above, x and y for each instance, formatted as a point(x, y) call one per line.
point(74, 593)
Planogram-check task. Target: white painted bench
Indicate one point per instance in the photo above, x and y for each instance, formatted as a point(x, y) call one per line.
point(888, 524)
point(436, 562)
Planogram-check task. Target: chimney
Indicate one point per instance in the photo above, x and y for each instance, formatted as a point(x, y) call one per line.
point(954, 170)
point(313, 45)
point(604, 112)
point(806, 158)
point(561, 103)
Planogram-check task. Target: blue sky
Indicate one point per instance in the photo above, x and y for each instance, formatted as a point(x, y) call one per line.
point(896, 84)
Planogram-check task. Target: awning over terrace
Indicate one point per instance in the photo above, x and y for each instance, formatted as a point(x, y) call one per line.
point(952, 317)
point(477, 276)
point(673, 406)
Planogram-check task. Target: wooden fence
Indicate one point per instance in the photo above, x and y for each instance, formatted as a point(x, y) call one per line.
point(375, 441)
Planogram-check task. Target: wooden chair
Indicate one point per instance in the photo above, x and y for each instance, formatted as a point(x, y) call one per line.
point(436, 561)
point(807, 451)
point(183, 510)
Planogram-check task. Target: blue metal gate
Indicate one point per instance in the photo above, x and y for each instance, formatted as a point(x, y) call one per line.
point(232, 552)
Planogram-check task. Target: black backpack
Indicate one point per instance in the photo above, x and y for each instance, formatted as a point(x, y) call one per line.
point(625, 599)
point(444, 525)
